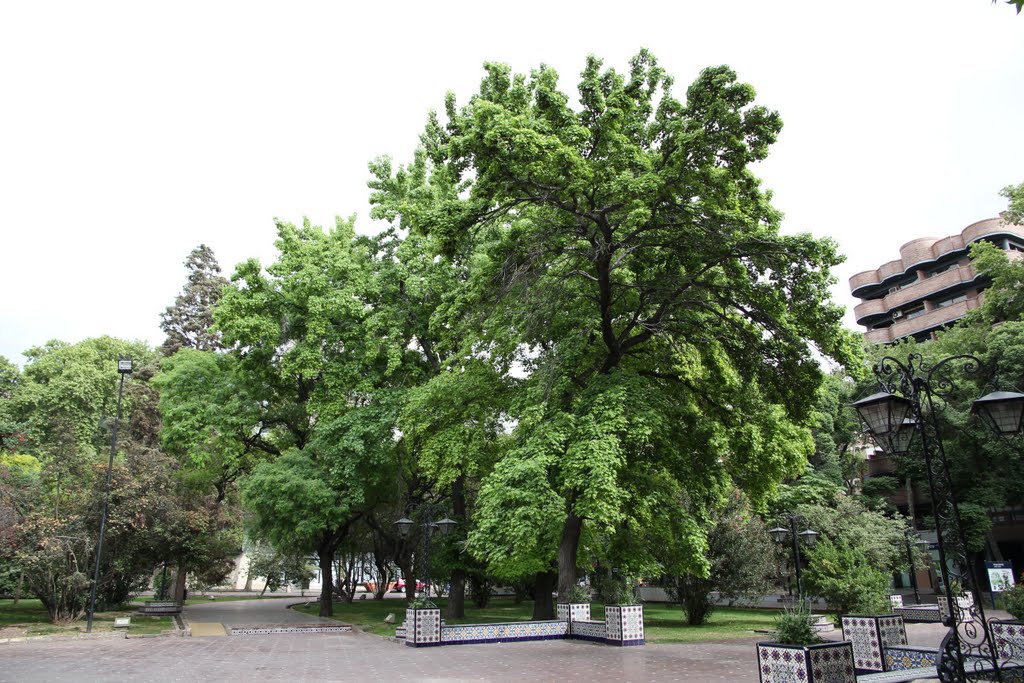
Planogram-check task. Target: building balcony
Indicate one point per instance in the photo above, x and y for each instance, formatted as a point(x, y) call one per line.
point(925, 250)
point(920, 290)
point(923, 323)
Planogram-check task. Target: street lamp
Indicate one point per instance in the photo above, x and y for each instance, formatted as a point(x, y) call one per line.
point(967, 651)
point(124, 367)
point(444, 526)
point(808, 537)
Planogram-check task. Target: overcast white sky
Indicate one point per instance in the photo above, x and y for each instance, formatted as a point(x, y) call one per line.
point(131, 132)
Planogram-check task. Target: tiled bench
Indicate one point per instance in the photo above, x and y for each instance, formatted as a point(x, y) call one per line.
point(899, 676)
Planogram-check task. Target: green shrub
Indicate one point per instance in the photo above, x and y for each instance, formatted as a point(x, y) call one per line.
point(579, 594)
point(1015, 601)
point(795, 626)
point(421, 603)
point(846, 579)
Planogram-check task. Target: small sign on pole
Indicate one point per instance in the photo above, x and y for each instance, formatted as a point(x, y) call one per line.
point(1000, 576)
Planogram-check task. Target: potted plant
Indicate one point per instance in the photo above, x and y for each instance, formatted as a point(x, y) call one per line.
point(798, 655)
point(623, 614)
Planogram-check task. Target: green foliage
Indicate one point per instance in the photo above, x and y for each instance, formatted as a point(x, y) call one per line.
point(615, 589)
point(846, 578)
point(579, 593)
point(874, 535)
point(795, 626)
point(189, 322)
point(67, 396)
point(1015, 601)
point(1014, 193)
point(625, 257)
point(279, 569)
point(742, 561)
point(880, 485)
point(420, 603)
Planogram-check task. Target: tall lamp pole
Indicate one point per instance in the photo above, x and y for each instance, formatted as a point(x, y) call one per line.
point(808, 536)
point(405, 525)
point(124, 367)
point(894, 420)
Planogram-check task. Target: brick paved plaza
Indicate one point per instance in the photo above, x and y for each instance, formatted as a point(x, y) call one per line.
point(362, 657)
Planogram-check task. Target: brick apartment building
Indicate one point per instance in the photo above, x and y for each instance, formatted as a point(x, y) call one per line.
point(931, 285)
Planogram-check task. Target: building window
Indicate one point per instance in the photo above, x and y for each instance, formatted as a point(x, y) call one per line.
point(950, 302)
point(910, 315)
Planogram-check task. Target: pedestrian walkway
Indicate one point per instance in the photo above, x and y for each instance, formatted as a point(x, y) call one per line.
point(358, 656)
point(201, 629)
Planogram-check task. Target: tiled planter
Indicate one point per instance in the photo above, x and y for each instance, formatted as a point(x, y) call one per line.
point(1009, 637)
point(825, 663)
point(572, 611)
point(423, 627)
point(624, 624)
point(964, 602)
point(870, 635)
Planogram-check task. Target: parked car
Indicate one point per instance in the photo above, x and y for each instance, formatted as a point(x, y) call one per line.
point(400, 586)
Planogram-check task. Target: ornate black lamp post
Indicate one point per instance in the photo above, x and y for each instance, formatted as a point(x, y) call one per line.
point(444, 526)
point(967, 651)
point(808, 537)
point(124, 367)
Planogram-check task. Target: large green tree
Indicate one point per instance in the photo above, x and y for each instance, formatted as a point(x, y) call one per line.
point(317, 352)
point(625, 257)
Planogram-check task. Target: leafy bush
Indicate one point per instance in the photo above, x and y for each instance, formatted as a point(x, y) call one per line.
point(421, 603)
point(741, 558)
point(579, 594)
point(1015, 601)
point(846, 579)
point(613, 589)
point(795, 626)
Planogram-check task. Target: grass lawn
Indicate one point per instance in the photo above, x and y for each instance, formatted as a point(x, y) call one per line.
point(30, 618)
point(662, 623)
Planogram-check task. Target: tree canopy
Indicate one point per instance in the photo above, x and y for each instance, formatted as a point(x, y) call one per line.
point(623, 254)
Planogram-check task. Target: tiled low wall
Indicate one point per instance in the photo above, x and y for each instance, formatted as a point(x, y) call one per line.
point(904, 657)
point(504, 633)
point(623, 625)
point(919, 613)
point(596, 631)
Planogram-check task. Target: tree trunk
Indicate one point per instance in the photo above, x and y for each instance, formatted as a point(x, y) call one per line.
point(567, 548)
point(325, 555)
point(457, 592)
point(993, 548)
point(179, 585)
point(17, 591)
point(543, 586)
point(457, 595)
